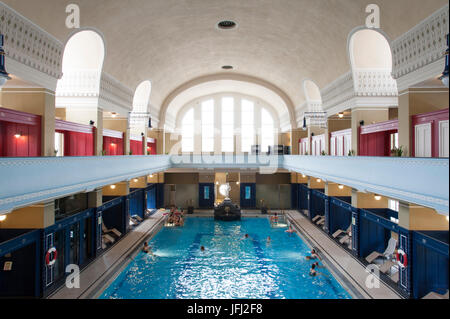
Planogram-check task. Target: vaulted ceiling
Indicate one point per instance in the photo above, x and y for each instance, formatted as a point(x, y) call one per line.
point(173, 42)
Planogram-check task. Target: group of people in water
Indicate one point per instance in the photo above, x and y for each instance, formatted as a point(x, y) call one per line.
point(175, 217)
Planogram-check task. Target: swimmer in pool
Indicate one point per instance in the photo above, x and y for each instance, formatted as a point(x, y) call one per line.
point(269, 240)
point(202, 248)
point(246, 236)
point(290, 230)
point(313, 255)
point(317, 265)
point(313, 272)
point(147, 249)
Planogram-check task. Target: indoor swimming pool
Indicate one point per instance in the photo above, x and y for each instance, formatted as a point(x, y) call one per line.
point(230, 267)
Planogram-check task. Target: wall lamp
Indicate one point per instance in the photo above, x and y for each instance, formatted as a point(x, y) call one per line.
point(18, 135)
point(2, 218)
point(341, 115)
point(113, 186)
point(341, 186)
point(377, 197)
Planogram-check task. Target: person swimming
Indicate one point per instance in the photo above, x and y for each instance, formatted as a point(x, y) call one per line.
point(313, 272)
point(313, 255)
point(290, 230)
point(147, 249)
point(202, 248)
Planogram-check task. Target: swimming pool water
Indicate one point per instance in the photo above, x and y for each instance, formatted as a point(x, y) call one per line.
point(231, 267)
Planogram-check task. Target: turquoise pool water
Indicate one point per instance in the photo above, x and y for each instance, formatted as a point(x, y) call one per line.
point(231, 267)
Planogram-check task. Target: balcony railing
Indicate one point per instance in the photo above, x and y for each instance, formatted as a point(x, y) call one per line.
point(26, 181)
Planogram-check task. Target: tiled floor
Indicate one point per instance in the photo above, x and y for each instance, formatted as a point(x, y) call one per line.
point(352, 271)
point(101, 270)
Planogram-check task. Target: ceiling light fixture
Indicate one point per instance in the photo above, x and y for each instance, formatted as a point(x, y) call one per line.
point(226, 25)
point(377, 197)
point(113, 114)
point(2, 218)
point(341, 186)
point(341, 115)
point(113, 186)
point(319, 180)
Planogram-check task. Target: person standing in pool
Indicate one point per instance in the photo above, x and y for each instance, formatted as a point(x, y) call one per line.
point(313, 255)
point(147, 249)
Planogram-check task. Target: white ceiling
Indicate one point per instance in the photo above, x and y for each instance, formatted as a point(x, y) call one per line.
point(173, 42)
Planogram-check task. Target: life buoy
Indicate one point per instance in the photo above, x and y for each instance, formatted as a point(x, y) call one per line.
point(401, 254)
point(50, 257)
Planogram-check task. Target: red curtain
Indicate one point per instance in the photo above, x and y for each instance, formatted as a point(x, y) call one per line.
point(151, 148)
point(28, 144)
point(136, 147)
point(112, 145)
point(78, 144)
point(375, 144)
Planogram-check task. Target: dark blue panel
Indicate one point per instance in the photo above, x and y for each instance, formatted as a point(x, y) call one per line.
point(430, 264)
point(294, 196)
point(206, 195)
point(248, 195)
point(137, 203)
point(303, 199)
point(340, 215)
point(24, 278)
point(151, 196)
point(372, 236)
point(159, 195)
point(317, 203)
point(114, 216)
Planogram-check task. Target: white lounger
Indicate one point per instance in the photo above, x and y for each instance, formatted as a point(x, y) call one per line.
point(316, 218)
point(388, 252)
point(112, 230)
point(138, 218)
point(435, 295)
point(340, 231)
point(320, 221)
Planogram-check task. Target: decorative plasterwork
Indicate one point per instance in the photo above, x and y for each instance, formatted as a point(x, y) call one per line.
point(419, 49)
point(338, 91)
point(374, 82)
point(89, 88)
point(36, 53)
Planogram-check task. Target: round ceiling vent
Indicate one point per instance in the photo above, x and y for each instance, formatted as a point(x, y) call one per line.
point(227, 25)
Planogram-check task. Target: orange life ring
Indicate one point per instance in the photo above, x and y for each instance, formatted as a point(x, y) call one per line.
point(53, 254)
point(400, 254)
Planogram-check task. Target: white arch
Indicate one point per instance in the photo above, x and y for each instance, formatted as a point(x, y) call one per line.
point(369, 49)
point(85, 49)
point(141, 100)
point(312, 91)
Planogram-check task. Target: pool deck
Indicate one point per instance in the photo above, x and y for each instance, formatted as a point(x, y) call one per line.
point(346, 268)
point(102, 270)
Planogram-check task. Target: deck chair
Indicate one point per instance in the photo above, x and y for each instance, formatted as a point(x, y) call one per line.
point(114, 231)
point(388, 252)
point(138, 218)
point(435, 295)
point(107, 239)
point(395, 276)
point(316, 218)
point(341, 232)
point(386, 267)
point(321, 222)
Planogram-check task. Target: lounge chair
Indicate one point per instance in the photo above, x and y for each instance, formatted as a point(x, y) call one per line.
point(316, 218)
point(435, 295)
point(138, 218)
point(395, 276)
point(341, 232)
point(388, 252)
point(346, 239)
point(109, 231)
point(107, 239)
point(320, 221)
point(386, 267)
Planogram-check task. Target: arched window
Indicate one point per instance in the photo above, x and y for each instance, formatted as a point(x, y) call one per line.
point(248, 125)
point(267, 130)
point(228, 124)
point(223, 117)
point(187, 132)
point(208, 126)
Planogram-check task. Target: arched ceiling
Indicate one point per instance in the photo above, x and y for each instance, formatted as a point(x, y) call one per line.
point(172, 42)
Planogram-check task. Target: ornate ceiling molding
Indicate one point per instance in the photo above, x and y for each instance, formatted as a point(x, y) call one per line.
point(32, 54)
point(419, 49)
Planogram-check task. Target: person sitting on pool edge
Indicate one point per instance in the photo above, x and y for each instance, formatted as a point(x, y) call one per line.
point(290, 230)
point(313, 255)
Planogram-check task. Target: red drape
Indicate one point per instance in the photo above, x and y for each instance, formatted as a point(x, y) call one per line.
point(112, 145)
point(28, 144)
point(151, 148)
point(136, 147)
point(77, 143)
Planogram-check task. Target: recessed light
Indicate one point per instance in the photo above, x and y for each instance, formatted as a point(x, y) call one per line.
point(113, 186)
point(227, 67)
point(341, 186)
point(2, 218)
point(341, 115)
point(227, 25)
point(377, 197)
